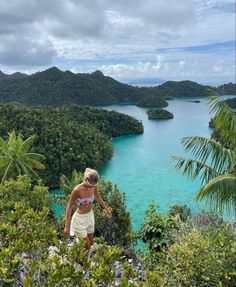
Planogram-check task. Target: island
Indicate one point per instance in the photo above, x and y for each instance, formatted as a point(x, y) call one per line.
point(159, 114)
point(152, 102)
point(195, 101)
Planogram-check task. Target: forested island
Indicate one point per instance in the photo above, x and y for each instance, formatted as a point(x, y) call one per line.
point(152, 102)
point(54, 87)
point(71, 137)
point(159, 114)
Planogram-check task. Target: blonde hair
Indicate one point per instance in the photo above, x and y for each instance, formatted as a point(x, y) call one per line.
point(91, 175)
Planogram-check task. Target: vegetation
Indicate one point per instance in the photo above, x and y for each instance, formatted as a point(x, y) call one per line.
point(16, 158)
point(182, 249)
point(201, 258)
point(216, 164)
point(33, 251)
point(227, 89)
point(152, 102)
point(231, 102)
point(157, 230)
point(159, 114)
point(70, 137)
point(53, 87)
point(182, 211)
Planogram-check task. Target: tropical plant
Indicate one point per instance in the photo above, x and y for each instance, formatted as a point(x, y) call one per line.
point(215, 164)
point(67, 185)
point(16, 158)
point(157, 231)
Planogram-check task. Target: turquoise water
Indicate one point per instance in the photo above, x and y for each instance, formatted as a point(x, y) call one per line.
point(141, 165)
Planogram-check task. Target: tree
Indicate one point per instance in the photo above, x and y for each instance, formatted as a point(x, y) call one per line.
point(215, 164)
point(16, 158)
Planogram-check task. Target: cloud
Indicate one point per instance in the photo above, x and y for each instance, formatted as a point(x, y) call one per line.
point(119, 36)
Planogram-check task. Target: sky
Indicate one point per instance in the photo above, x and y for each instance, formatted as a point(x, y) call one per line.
point(130, 40)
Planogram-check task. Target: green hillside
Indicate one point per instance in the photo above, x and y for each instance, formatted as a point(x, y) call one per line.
point(54, 87)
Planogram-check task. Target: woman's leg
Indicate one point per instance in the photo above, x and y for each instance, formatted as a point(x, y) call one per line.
point(88, 244)
point(90, 237)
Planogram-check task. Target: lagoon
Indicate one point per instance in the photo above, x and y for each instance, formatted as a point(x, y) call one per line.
point(141, 164)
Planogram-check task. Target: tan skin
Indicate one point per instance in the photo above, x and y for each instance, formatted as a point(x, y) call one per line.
point(84, 190)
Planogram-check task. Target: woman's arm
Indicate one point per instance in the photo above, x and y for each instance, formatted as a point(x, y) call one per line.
point(70, 204)
point(102, 203)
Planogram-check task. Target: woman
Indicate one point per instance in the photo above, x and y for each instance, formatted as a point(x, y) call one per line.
point(82, 222)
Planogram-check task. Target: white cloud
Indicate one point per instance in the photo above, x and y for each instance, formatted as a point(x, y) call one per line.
point(123, 38)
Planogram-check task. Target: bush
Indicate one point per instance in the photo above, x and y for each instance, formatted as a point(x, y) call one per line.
point(183, 211)
point(157, 229)
point(201, 258)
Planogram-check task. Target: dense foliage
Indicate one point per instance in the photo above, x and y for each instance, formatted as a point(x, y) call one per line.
point(152, 102)
point(231, 102)
point(157, 230)
point(201, 258)
point(227, 89)
point(33, 251)
point(28, 235)
point(159, 114)
point(70, 137)
point(53, 87)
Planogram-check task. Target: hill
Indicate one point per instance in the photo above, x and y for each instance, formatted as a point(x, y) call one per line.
point(54, 87)
point(152, 102)
point(61, 134)
point(227, 89)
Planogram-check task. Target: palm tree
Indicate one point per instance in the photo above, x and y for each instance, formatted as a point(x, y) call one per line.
point(67, 185)
point(16, 158)
point(215, 162)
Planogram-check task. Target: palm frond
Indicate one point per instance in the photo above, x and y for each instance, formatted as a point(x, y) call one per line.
point(206, 149)
point(4, 149)
point(193, 169)
point(225, 119)
point(27, 144)
point(220, 193)
point(24, 169)
point(36, 165)
point(30, 171)
point(5, 175)
point(65, 184)
point(33, 156)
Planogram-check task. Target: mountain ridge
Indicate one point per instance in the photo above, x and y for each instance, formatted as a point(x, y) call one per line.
point(53, 87)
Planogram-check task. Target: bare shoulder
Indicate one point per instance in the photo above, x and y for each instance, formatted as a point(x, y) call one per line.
point(77, 189)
